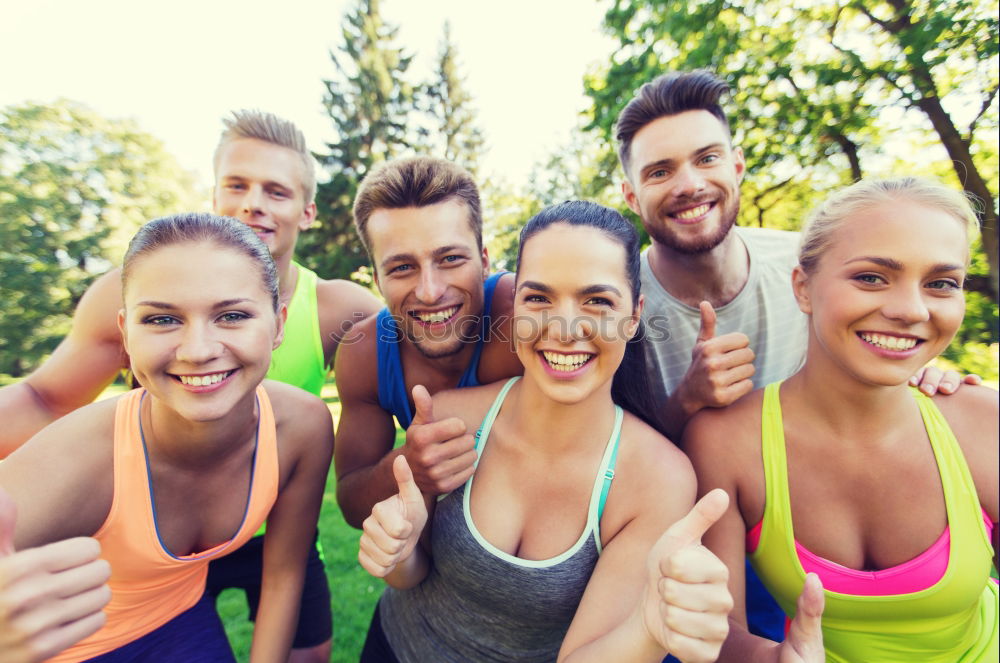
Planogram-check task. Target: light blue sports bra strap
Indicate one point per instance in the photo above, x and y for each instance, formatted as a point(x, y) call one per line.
point(484, 428)
point(609, 469)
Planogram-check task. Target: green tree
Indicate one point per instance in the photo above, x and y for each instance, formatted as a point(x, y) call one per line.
point(74, 187)
point(448, 104)
point(818, 86)
point(369, 102)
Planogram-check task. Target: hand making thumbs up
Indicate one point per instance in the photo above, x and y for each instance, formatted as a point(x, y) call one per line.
point(721, 367)
point(440, 454)
point(50, 596)
point(804, 642)
point(687, 603)
point(392, 530)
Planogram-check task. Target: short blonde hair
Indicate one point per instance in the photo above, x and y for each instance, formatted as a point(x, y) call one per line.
point(271, 129)
point(841, 205)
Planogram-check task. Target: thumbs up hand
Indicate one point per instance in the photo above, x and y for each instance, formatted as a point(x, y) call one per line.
point(804, 642)
point(687, 601)
point(441, 455)
point(391, 532)
point(50, 596)
point(721, 367)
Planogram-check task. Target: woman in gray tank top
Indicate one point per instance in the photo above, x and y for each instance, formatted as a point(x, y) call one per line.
point(575, 540)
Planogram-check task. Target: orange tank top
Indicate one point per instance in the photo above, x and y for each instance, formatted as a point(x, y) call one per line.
point(149, 585)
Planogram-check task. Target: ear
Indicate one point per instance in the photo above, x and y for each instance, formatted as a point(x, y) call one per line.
point(630, 198)
point(740, 163)
point(800, 287)
point(280, 318)
point(121, 329)
point(633, 323)
point(308, 216)
point(486, 263)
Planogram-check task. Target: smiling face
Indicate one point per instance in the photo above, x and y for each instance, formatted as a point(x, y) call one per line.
point(261, 184)
point(886, 296)
point(573, 311)
point(430, 270)
point(199, 340)
point(684, 181)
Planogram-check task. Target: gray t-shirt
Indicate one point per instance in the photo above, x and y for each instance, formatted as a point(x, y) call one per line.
point(765, 310)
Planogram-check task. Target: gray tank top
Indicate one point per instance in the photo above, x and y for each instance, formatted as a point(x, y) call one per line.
point(481, 604)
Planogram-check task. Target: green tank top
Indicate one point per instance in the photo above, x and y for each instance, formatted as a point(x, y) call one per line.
point(952, 621)
point(299, 359)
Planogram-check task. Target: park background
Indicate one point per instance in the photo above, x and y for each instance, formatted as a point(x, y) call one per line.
point(110, 111)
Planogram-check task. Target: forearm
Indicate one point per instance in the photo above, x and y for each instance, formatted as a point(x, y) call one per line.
point(628, 642)
point(24, 413)
point(411, 571)
point(276, 620)
point(741, 646)
point(360, 490)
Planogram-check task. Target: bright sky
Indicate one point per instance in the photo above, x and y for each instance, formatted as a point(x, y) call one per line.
point(178, 67)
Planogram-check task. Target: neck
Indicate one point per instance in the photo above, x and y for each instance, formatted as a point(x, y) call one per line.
point(185, 443)
point(287, 278)
point(557, 428)
point(849, 409)
point(715, 276)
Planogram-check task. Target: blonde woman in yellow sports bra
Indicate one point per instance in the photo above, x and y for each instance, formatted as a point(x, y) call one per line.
point(843, 471)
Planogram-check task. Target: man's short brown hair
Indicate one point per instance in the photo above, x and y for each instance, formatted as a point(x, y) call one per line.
point(415, 182)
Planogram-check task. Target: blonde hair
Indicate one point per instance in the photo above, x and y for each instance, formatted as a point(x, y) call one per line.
point(270, 129)
point(843, 204)
point(415, 182)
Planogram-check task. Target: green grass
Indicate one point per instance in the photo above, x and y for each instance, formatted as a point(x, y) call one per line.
point(353, 592)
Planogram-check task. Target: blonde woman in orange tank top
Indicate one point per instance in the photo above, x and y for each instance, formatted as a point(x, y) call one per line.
point(186, 468)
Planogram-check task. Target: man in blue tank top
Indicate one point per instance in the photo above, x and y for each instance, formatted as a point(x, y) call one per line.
point(446, 325)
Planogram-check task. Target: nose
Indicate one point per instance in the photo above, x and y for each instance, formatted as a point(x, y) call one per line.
point(198, 345)
point(431, 287)
point(906, 304)
point(566, 323)
point(688, 181)
point(252, 202)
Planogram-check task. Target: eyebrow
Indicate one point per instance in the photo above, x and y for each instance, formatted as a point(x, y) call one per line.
point(437, 253)
point(897, 266)
point(170, 307)
point(595, 289)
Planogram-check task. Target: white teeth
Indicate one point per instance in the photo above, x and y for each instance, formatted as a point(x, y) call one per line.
point(566, 363)
point(437, 316)
point(204, 380)
point(693, 212)
point(889, 342)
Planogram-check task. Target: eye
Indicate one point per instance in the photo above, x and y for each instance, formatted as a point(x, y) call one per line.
point(535, 299)
point(280, 193)
point(658, 173)
point(710, 158)
point(234, 316)
point(160, 320)
point(599, 301)
point(235, 186)
point(400, 269)
point(453, 259)
point(945, 284)
point(869, 279)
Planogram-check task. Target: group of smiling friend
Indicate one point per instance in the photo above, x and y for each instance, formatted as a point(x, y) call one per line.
point(537, 510)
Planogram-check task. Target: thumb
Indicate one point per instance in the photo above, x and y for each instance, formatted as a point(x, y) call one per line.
point(805, 633)
point(423, 405)
point(707, 330)
point(693, 526)
point(409, 492)
point(8, 517)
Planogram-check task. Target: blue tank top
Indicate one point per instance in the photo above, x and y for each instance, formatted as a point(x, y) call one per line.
point(392, 394)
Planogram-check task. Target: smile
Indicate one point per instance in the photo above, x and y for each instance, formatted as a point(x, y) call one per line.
point(435, 317)
point(204, 380)
point(886, 342)
point(692, 213)
point(566, 363)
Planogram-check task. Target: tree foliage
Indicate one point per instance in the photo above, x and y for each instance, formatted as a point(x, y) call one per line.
point(820, 86)
point(74, 187)
point(378, 115)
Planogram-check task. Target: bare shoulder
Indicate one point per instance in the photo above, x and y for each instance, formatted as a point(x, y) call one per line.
point(342, 305)
point(503, 296)
point(356, 367)
point(973, 414)
point(653, 460)
point(470, 404)
point(725, 435)
point(97, 312)
point(296, 411)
